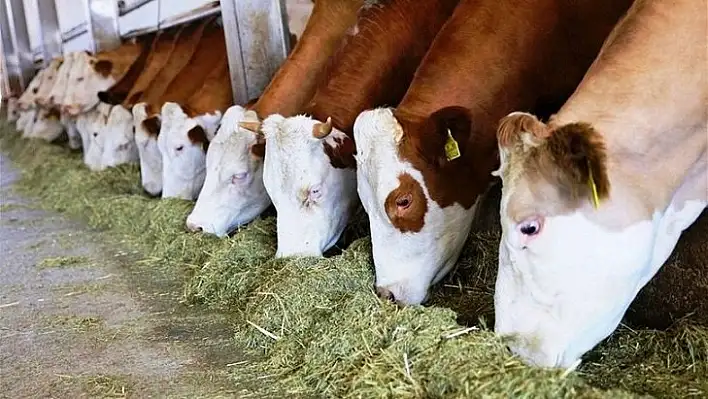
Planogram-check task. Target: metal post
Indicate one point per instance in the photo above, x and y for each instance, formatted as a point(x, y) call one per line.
point(257, 42)
point(17, 53)
point(50, 30)
point(102, 18)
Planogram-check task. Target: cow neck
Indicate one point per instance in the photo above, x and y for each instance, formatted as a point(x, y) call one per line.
point(214, 95)
point(160, 53)
point(296, 80)
point(378, 63)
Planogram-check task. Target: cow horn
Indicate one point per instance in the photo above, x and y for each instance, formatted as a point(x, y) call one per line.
point(255, 127)
point(321, 130)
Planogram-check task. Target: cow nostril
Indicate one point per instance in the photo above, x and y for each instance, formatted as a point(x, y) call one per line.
point(191, 226)
point(385, 294)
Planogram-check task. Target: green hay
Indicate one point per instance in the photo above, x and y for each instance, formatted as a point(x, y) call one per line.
point(63, 261)
point(313, 327)
point(4, 208)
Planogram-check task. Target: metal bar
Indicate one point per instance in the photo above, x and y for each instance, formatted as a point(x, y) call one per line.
point(257, 42)
point(50, 31)
point(192, 15)
point(16, 45)
point(103, 24)
point(125, 8)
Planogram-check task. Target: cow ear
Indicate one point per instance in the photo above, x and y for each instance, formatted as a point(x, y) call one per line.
point(103, 67)
point(574, 158)
point(197, 135)
point(450, 128)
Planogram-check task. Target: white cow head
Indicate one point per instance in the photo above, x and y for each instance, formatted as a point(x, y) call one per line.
point(69, 123)
point(87, 78)
point(13, 109)
point(118, 139)
point(47, 124)
point(420, 198)
point(146, 133)
point(95, 128)
point(25, 121)
point(233, 193)
point(183, 142)
point(61, 85)
point(51, 77)
point(580, 236)
point(308, 173)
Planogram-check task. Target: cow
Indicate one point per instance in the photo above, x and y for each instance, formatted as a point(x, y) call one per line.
point(309, 163)
point(186, 131)
point(423, 166)
point(119, 141)
point(90, 124)
point(42, 81)
point(595, 200)
point(13, 109)
point(93, 74)
point(233, 193)
point(208, 52)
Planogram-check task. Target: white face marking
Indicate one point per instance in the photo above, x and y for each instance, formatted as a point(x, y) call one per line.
point(69, 123)
point(85, 83)
point(118, 139)
point(13, 109)
point(149, 153)
point(407, 264)
point(26, 100)
point(44, 127)
point(183, 162)
point(563, 289)
point(51, 78)
point(233, 193)
point(314, 200)
point(25, 121)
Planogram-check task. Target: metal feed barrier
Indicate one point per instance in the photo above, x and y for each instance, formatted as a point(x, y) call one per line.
point(257, 35)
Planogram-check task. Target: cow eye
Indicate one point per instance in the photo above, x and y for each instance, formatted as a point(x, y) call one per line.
point(404, 202)
point(237, 177)
point(530, 227)
point(179, 148)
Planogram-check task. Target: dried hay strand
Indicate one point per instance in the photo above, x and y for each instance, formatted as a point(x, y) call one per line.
point(315, 328)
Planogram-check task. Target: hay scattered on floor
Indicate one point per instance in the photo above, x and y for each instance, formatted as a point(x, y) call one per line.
point(314, 325)
point(63, 261)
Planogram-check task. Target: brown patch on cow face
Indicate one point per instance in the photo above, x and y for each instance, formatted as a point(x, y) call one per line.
point(53, 114)
point(152, 126)
point(461, 180)
point(341, 155)
point(112, 98)
point(197, 135)
point(258, 149)
point(407, 205)
point(568, 158)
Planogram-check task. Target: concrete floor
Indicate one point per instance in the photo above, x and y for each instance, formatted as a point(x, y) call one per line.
point(99, 326)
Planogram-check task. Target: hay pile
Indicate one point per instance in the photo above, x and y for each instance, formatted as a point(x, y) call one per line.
point(314, 326)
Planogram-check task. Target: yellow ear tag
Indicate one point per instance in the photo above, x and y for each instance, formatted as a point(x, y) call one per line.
point(452, 149)
point(591, 181)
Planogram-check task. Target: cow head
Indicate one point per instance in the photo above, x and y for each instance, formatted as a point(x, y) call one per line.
point(112, 137)
point(93, 126)
point(25, 121)
point(233, 193)
point(147, 128)
point(61, 85)
point(13, 109)
point(414, 180)
point(309, 174)
point(50, 78)
point(91, 76)
point(47, 124)
point(69, 123)
point(575, 249)
point(183, 142)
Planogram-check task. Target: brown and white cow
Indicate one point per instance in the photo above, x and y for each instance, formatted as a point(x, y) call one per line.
point(233, 192)
point(117, 134)
point(594, 201)
point(207, 50)
point(309, 165)
point(42, 82)
point(186, 131)
point(423, 166)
